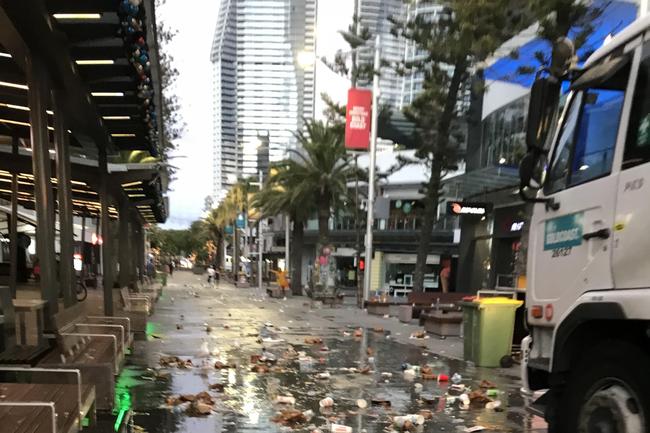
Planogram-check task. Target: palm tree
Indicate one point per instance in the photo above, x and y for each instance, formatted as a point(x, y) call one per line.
point(225, 215)
point(322, 170)
point(281, 195)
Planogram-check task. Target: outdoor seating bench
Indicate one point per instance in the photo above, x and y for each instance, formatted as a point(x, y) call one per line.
point(93, 346)
point(136, 307)
point(43, 406)
point(442, 323)
point(427, 301)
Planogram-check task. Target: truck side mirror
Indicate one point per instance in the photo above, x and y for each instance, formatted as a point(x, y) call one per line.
point(544, 100)
point(532, 174)
point(532, 170)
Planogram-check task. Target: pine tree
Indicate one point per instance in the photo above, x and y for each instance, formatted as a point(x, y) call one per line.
point(455, 44)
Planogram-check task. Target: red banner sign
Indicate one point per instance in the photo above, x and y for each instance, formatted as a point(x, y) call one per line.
point(357, 119)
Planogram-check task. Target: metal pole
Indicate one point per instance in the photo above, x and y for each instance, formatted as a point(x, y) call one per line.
point(371, 176)
point(13, 226)
point(287, 233)
point(260, 244)
point(43, 194)
point(106, 247)
point(357, 229)
point(64, 196)
point(123, 242)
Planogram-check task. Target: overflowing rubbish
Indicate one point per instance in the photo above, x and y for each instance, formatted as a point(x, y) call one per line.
point(373, 384)
point(200, 404)
point(175, 361)
point(406, 422)
point(290, 417)
point(285, 399)
point(326, 402)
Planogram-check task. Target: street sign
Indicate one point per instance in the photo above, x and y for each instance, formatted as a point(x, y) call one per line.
point(468, 208)
point(229, 230)
point(357, 119)
point(241, 221)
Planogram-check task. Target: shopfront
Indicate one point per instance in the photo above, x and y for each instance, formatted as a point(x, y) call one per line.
point(493, 249)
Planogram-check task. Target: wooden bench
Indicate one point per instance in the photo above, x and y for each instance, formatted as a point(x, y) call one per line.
point(96, 345)
point(36, 400)
point(136, 308)
point(426, 301)
point(151, 289)
point(12, 353)
point(382, 308)
point(442, 323)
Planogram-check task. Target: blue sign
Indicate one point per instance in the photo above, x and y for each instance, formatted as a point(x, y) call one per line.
point(563, 232)
point(241, 221)
point(229, 230)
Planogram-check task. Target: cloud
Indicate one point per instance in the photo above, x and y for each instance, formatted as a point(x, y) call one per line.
point(194, 20)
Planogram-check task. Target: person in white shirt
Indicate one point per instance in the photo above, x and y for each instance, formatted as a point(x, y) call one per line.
point(211, 273)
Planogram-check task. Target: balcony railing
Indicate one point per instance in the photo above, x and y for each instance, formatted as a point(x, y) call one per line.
point(444, 223)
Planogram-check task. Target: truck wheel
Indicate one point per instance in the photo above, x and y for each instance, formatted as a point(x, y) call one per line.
point(607, 391)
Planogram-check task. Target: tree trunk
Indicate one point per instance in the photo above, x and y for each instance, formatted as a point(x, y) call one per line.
point(220, 251)
point(296, 257)
point(430, 212)
point(323, 223)
point(433, 186)
point(235, 253)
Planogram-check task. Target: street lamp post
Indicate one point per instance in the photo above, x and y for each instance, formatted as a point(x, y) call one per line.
point(260, 243)
point(371, 173)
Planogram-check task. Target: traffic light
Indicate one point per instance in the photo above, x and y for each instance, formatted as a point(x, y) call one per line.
point(362, 264)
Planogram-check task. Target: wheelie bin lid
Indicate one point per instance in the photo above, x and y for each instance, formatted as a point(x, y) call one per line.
point(499, 300)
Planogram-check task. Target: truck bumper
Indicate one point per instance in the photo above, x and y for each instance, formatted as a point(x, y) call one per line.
point(525, 357)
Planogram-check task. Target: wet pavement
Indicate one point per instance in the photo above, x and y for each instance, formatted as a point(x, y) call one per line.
point(270, 349)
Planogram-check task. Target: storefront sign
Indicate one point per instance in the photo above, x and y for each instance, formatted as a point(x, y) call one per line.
point(241, 221)
point(516, 226)
point(468, 208)
point(563, 232)
point(357, 119)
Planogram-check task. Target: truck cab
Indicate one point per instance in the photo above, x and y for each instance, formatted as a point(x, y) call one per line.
point(588, 271)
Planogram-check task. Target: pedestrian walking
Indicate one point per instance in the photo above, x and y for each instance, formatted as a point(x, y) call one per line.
point(171, 268)
point(211, 274)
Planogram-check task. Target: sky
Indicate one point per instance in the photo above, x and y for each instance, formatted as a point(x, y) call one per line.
point(190, 50)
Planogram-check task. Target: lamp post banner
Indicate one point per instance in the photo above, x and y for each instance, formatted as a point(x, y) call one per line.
point(357, 119)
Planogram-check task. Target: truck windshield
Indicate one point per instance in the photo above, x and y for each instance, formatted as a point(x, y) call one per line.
point(587, 139)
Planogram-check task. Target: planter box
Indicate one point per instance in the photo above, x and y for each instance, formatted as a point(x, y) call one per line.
point(443, 324)
point(405, 313)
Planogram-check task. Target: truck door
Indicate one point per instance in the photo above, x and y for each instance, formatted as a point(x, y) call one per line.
point(632, 222)
point(572, 244)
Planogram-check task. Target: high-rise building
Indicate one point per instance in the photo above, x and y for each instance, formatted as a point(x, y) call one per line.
point(374, 15)
point(397, 90)
point(263, 59)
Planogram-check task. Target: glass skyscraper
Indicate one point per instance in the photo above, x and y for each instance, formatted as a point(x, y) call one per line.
point(263, 61)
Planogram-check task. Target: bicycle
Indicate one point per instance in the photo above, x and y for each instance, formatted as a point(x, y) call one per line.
point(81, 290)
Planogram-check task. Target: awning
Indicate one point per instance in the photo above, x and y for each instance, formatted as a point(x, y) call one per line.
point(616, 15)
point(484, 180)
point(432, 259)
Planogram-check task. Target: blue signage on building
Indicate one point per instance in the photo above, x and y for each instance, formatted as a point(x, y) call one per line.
point(241, 221)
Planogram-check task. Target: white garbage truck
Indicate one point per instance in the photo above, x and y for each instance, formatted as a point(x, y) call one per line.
point(587, 171)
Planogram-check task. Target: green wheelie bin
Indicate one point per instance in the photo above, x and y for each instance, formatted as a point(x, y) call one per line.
point(488, 325)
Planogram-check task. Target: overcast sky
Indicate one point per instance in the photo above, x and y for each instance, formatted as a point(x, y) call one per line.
point(195, 20)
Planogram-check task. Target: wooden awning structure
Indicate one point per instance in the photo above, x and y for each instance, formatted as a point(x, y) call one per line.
point(80, 87)
point(103, 56)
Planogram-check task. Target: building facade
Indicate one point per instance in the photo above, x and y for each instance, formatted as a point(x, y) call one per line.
point(263, 71)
